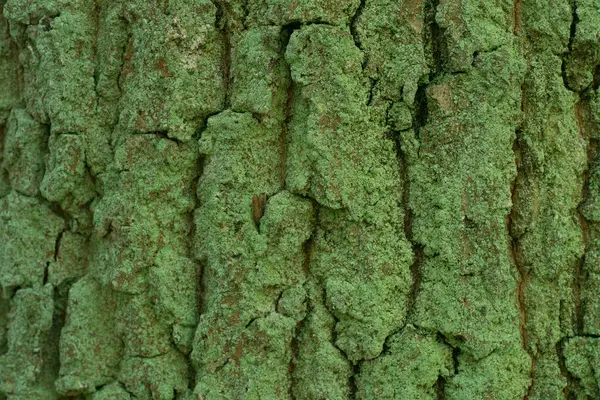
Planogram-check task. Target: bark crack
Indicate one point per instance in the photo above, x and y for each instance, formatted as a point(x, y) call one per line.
point(420, 117)
point(517, 15)
point(221, 24)
point(440, 388)
point(514, 254)
point(95, 46)
point(354, 31)
point(308, 249)
point(455, 350)
point(435, 38)
point(287, 32)
point(573, 31)
point(573, 384)
point(580, 266)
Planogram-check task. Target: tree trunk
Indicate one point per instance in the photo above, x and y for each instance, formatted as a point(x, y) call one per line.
point(268, 199)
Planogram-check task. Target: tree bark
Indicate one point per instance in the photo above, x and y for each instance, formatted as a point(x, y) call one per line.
point(268, 199)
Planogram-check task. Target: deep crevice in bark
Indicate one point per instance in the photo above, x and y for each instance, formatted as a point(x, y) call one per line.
point(59, 317)
point(352, 389)
point(435, 36)
point(572, 33)
point(596, 78)
point(354, 31)
point(191, 239)
point(246, 13)
point(440, 388)
point(514, 253)
point(126, 48)
point(421, 113)
point(517, 7)
point(307, 248)
point(420, 117)
point(581, 112)
point(353, 386)
point(162, 135)
point(97, 10)
point(287, 32)
point(514, 241)
point(514, 245)
point(573, 383)
point(221, 24)
point(442, 338)
point(293, 357)
point(371, 90)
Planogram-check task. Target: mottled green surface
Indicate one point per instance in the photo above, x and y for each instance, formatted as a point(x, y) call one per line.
point(300, 199)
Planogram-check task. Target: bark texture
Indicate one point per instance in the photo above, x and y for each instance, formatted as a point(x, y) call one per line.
point(273, 199)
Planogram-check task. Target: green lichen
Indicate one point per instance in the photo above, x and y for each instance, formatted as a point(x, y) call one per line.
point(172, 74)
point(67, 181)
point(69, 263)
point(590, 290)
point(162, 377)
point(25, 146)
point(279, 12)
point(345, 162)
point(56, 51)
point(471, 27)
point(392, 36)
point(547, 30)
point(28, 232)
point(460, 206)
point(90, 350)
point(582, 356)
point(263, 199)
point(112, 391)
point(503, 374)
point(259, 72)
point(549, 235)
point(321, 371)
point(9, 70)
point(248, 263)
point(149, 171)
point(584, 55)
point(365, 274)
point(23, 370)
point(410, 368)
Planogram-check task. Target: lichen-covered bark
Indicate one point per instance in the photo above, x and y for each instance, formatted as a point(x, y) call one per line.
point(267, 199)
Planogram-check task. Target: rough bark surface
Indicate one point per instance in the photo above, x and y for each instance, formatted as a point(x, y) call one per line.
point(272, 199)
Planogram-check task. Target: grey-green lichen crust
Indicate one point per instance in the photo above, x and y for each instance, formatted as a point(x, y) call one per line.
point(304, 199)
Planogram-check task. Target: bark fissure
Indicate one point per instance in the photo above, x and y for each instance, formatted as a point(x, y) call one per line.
point(517, 15)
point(353, 386)
point(514, 254)
point(293, 357)
point(573, 382)
point(420, 117)
point(222, 25)
point(94, 54)
point(578, 325)
point(352, 379)
point(59, 316)
point(287, 32)
point(440, 388)
point(354, 31)
point(572, 33)
point(371, 90)
point(442, 338)
point(200, 290)
point(307, 248)
point(435, 36)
